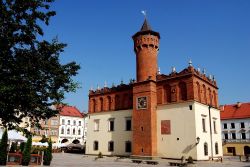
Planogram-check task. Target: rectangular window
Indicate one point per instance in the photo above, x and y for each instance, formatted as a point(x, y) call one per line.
point(225, 125)
point(111, 124)
point(63, 121)
point(111, 146)
point(74, 123)
point(233, 135)
point(128, 147)
point(54, 122)
point(46, 122)
point(226, 136)
point(232, 125)
point(95, 145)
point(215, 130)
point(96, 122)
point(230, 149)
point(204, 125)
point(80, 124)
point(128, 125)
point(68, 122)
point(242, 125)
point(243, 135)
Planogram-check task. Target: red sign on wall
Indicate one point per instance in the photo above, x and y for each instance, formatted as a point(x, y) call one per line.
point(165, 127)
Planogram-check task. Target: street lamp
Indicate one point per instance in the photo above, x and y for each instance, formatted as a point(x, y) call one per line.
point(198, 140)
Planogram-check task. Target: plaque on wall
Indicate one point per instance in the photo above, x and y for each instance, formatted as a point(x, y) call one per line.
point(165, 127)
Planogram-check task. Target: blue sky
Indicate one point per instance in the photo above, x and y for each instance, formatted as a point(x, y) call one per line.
point(214, 34)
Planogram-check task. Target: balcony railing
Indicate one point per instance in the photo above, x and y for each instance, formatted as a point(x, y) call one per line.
point(236, 140)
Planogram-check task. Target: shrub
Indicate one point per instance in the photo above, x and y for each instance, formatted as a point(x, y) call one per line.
point(3, 148)
point(21, 148)
point(13, 148)
point(48, 154)
point(190, 160)
point(100, 155)
point(26, 152)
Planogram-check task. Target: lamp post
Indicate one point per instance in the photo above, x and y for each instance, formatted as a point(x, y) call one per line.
point(198, 140)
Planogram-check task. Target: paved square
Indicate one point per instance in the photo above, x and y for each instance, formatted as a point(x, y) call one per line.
point(66, 159)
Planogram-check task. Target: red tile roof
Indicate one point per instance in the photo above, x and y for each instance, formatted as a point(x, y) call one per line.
point(70, 111)
point(235, 111)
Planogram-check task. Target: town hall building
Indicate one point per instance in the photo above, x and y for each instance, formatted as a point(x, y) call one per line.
point(157, 115)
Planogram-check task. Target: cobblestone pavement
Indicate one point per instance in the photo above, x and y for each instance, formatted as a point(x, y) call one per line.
point(72, 160)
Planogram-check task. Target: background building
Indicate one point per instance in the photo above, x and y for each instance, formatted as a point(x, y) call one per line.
point(49, 129)
point(71, 125)
point(235, 125)
point(169, 116)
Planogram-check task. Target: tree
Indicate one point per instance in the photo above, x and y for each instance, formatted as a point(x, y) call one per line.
point(3, 148)
point(32, 77)
point(26, 152)
point(48, 154)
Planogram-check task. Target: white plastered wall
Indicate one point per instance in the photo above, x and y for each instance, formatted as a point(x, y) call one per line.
point(186, 126)
point(103, 136)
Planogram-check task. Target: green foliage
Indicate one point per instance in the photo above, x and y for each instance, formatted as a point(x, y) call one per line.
point(33, 77)
point(100, 155)
point(3, 148)
point(22, 146)
point(26, 152)
point(190, 160)
point(13, 148)
point(48, 154)
point(37, 149)
point(44, 139)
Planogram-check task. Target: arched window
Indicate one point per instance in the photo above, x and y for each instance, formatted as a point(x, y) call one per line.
point(125, 101)
point(62, 130)
point(216, 148)
point(74, 131)
point(68, 131)
point(215, 100)
point(210, 96)
point(204, 94)
point(205, 149)
point(198, 91)
point(109, 103)
point(101, 104)
point(183, 91)
point(167, 90)
point(93, 105)
point(117, 102)
point(95, 145)
point(79, 131)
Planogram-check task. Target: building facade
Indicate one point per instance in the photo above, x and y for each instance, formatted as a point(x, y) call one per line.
point(49, 129)
point(235, 125)
point(71, 125)
point(162, 115)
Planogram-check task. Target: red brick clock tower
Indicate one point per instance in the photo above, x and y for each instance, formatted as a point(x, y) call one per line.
point(146, 46)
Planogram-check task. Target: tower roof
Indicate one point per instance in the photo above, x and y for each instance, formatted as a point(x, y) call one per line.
point(146, 29)
point(146, 26)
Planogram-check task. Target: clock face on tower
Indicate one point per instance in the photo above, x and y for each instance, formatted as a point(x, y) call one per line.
point(142, 102)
